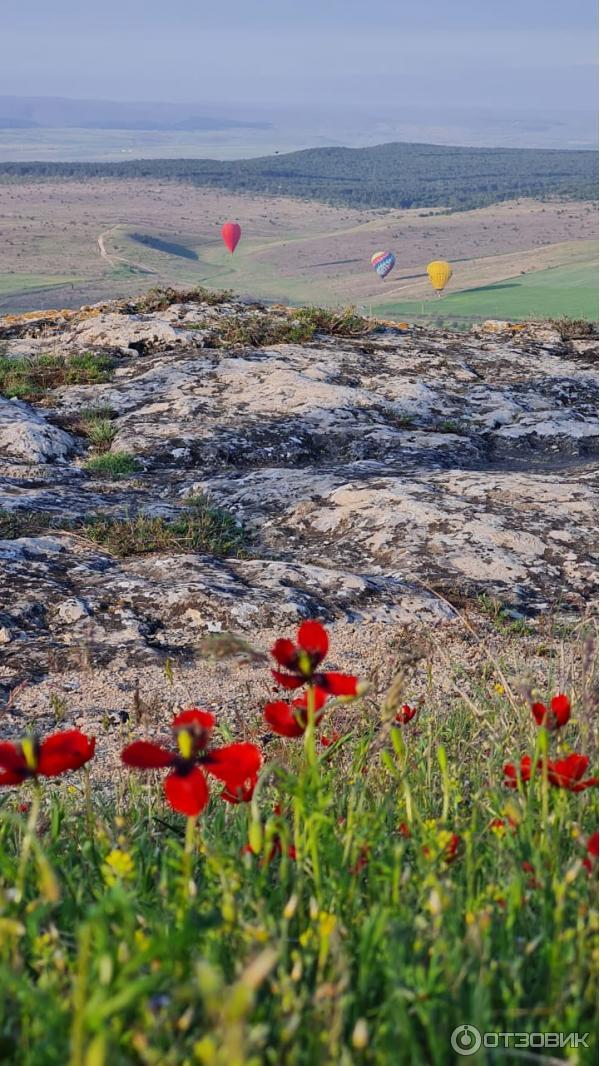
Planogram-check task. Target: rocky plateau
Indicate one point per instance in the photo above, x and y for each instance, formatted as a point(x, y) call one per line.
point(379, 474)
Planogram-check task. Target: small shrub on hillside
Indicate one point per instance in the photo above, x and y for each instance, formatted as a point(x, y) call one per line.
point(89, 368)
point(258, 330)
point(402, 419)
point(344, 323)
point(574, 328)
point(92, 414)
point(449, 425)
point(251, 330)
point(159, 299)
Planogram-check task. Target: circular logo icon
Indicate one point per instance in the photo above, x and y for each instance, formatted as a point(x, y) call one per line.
point(466, 1040)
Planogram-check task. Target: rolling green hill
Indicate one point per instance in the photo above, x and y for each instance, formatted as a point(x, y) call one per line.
point(385, 176)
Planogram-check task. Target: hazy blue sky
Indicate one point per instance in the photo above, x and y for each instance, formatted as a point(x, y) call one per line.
point(436, 53)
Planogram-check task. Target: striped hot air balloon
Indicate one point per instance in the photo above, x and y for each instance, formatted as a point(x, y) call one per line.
point(382, 263)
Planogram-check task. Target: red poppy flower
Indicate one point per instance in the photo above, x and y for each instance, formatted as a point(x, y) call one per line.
point(405, 714)
point(300, 661)
point(532, 880)
point(404, 830)
point(567, 773)
point(49, 758)
point(503, 823)
point(451, 849)
point(512, 774)
point(562, 773)
point(291, 719)
point(243, 793)
point(556, 716)
point(328, 741)
point(362, 861)
point(186, 787)
point(592, 852)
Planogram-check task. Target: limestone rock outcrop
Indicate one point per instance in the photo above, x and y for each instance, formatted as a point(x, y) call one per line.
point(378, 475)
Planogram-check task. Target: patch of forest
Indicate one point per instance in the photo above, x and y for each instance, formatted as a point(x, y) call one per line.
point(385, 176)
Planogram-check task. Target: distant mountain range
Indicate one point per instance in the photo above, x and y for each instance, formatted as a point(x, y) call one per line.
point(38, 112)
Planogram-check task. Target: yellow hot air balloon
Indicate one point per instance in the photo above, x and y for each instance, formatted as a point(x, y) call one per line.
point(440, 273)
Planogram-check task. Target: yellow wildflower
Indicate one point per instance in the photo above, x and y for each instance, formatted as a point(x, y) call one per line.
point(118, 866)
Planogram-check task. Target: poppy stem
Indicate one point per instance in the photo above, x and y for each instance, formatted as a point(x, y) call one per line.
point(34, 811)
point(542, 744)
point(80, 994)
point(89, 813)
point(312, 765)
point(186, 866)
point(309, 732)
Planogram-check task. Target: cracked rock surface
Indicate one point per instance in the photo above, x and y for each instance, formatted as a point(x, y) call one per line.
point(373, 473)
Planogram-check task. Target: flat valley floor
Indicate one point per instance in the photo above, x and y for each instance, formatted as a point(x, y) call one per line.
point(67, 243)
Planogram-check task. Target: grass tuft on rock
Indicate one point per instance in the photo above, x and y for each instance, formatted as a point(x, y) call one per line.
point(100, 432)
point(94, 423)
point(159, 299)
point(15, 524)
point(301, 327)
point(30, 378)
point(202, 527)
point(113, 465)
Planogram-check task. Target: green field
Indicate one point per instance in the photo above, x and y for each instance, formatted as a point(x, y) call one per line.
point(14, 282)
point(570, 291)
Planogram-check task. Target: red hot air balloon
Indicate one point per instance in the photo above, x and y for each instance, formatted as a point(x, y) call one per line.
point(231, 234)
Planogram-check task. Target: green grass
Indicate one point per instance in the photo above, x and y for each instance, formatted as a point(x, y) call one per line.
point(89, 415)
point(112, 465)
point(568, 291)
point(31, 378)
point(100, 432)
point(129, 935)
point(15, 524)
point(202, 527)
point(13, 283)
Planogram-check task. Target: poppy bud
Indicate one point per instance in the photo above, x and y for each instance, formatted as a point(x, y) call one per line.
point(360, 1035)
point(255, 836)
